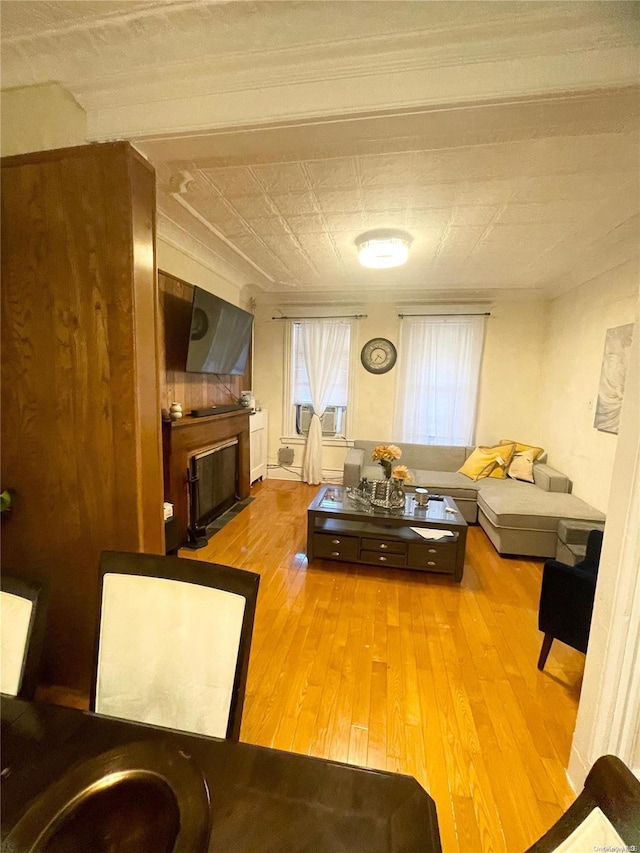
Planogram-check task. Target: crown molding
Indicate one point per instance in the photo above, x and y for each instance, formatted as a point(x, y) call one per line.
point(253, 98)
point(185, 242)
point(402, 299)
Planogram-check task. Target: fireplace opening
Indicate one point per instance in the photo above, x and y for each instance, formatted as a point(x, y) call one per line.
point(213, 484)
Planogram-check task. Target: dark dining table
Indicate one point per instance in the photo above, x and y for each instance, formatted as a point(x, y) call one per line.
point(261, 799)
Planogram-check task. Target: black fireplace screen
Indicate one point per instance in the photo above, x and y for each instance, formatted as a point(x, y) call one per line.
point(214, 484)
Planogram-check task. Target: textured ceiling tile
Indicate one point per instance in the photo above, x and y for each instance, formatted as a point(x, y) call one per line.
point(476, 193)
point(332, 174)
point(385, 198)
point(577, 188)
point(295, 204)
point(344, 221)
point(280, 178)
point(557, 211)
point(269, 227)
point(311, 224)
point(338, 201)
point(390, 219)
point(386, 169)
point(435, 195)
point(252, 207)
point(212, 208)
point(474, 215)
point(233, 181)
point(428, 217)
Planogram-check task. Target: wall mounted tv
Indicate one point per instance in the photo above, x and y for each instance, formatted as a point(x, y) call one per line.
point(220, 336)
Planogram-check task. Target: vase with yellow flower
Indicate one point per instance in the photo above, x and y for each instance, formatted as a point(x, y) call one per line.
point(385, 454)
point(389, 493)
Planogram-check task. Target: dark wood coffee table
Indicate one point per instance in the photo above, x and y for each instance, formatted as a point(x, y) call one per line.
point(342, 528)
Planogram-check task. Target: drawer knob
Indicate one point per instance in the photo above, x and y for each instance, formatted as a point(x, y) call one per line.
point(382, 559)
point(430, 563)
point(432, 551)
point(383, 546)
point(335, 553)
point(335, 541)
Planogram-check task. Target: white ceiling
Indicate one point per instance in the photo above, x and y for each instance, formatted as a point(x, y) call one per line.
point(503, 136)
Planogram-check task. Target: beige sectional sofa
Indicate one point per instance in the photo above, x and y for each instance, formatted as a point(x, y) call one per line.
point(519, 518)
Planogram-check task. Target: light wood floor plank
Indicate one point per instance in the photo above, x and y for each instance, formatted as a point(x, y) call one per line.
point(410, 672)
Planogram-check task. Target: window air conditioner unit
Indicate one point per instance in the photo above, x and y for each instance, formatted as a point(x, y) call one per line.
point(328, 421)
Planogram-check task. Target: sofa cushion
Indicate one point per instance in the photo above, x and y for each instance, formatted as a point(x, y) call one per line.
point(513, 504)
point(574, 532)
point(550, 480)
point(425, 457)
point(446, 483)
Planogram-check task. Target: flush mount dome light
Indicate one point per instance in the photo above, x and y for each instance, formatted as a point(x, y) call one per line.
point(383, 248)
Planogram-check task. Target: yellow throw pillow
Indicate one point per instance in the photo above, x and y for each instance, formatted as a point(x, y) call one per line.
point(504, 460)
point(484, 460)
point(521, 448)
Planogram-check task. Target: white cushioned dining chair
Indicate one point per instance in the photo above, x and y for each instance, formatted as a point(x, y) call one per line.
point(23, 617)
point(174, 638)
point(605, 815)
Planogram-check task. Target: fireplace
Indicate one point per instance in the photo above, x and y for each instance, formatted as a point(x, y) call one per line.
point(213, 483)
point(188, 437)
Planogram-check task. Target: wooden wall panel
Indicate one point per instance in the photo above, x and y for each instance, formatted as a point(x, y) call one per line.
point(147, 379)
point(192, 390)
point(80, 426)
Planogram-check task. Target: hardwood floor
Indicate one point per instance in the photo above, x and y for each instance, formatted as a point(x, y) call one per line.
point(409, 672)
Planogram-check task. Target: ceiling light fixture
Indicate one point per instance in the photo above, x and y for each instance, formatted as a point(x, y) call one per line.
point(383, 248)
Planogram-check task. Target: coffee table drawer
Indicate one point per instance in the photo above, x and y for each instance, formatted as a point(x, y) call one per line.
point(383, 545)
point(336, 546)
point(383, 559)
point(434, 557)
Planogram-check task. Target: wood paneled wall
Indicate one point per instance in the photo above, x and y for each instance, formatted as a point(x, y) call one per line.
point(81, 438)
point(192, 390)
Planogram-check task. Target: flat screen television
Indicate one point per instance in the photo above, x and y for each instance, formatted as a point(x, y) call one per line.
point(220, 336)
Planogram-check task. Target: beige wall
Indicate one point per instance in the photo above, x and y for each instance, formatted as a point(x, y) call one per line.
point(538, 384)
point(509, 386)
point(37, 118)
point(578, 321)
point(511, 375)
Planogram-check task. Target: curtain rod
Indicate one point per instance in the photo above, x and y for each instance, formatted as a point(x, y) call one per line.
point(485, 314)
point(335, 317)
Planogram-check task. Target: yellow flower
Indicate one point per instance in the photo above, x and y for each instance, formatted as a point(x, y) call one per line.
point(386, 451)
point(401, 472)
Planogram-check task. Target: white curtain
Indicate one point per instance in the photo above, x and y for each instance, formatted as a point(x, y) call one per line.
point(439, 369)
point(325, 347)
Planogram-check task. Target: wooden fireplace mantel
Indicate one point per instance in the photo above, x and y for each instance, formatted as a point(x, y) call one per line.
point(184, 437)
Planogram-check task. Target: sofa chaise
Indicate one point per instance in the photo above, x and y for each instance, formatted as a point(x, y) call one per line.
point(519, 518)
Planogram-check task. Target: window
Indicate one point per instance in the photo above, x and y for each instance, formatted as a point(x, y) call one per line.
point(300, 406)
point(438, 373)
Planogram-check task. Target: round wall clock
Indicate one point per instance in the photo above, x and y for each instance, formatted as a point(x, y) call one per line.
point(378, 355)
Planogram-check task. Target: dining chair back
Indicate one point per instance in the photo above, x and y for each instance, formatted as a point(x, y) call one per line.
point(604, 816)
point(174, 638)
point(23, 617)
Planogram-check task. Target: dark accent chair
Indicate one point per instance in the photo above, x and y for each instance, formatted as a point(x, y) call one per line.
point(24, 619)
point(174, 637)
point(566, 599)
point(611, 787)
